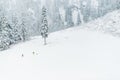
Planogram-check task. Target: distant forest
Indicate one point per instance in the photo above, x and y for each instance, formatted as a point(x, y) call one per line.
point(21, 19)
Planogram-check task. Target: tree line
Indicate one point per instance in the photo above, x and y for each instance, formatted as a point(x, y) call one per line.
point(25, 18)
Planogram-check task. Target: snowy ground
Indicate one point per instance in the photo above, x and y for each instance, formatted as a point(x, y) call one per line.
point(72, 54)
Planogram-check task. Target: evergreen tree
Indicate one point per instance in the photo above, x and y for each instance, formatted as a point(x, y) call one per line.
point(24, 27)
point(24, 35)
point(15, 30)
point(118, 4)
point(5, 34)
point(78, 19)
point(57, 21)
point(44, 25)
point(68, 17)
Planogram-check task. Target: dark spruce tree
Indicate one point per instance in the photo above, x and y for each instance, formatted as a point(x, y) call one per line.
point(44, 25)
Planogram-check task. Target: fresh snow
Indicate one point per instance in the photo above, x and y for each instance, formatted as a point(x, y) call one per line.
point(72, 54)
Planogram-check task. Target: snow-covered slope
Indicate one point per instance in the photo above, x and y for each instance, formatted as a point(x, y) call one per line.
point(72, 54)
point(110, 23)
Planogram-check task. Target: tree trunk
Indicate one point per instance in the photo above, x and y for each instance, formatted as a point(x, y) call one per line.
point(45, 41)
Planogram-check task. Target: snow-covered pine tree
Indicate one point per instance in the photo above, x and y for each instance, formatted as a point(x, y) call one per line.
point(24, 35)
point(15, 32)
point(44, 25)
point(23, 31)
point(5, 34)
point(68, 17)
point(118, 4)
point(56, 18)
point(78, 19)
point(57, 21)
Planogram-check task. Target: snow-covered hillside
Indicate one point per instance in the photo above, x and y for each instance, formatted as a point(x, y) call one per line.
point(72, 54)
point(109, 23)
